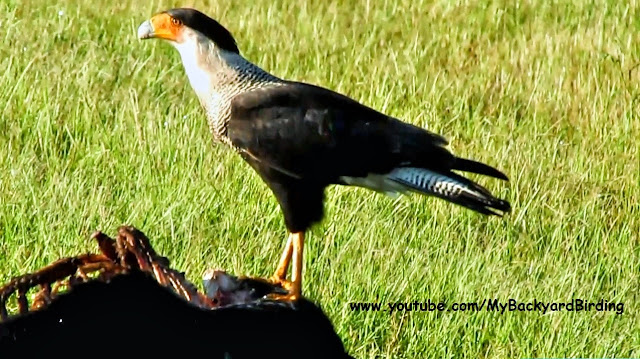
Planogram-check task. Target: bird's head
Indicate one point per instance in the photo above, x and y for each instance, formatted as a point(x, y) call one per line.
point(182, 26)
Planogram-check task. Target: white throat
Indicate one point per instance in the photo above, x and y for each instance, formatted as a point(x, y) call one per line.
point(217, 76)
point(198, 59)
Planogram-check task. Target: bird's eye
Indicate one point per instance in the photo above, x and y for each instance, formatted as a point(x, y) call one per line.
point(175, 22)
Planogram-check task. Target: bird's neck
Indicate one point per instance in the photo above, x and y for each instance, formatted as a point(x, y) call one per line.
point(217, 76)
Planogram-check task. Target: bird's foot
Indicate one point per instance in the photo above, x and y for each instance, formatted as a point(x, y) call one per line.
point(291, 287)
point(281, 282)
point(225, 289)
point(291, 297)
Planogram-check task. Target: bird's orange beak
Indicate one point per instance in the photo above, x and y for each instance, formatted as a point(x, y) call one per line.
point(161, 26)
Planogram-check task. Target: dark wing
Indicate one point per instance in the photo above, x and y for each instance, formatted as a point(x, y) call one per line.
point(307, 131)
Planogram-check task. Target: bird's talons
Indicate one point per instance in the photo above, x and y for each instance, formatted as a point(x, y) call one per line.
point(291, 297)
point(293, 289)
point(281, 282)
point(283, 289)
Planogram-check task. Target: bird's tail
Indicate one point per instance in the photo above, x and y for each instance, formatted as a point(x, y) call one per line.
point(453, 187)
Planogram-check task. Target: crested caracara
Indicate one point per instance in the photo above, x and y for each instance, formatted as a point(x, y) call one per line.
point(302, 138)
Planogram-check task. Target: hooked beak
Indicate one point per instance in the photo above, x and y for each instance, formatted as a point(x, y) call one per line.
point(159, 26)
point(145, 30)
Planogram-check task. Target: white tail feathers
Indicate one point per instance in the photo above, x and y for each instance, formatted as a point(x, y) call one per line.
point(428, 181)
point(451, 187)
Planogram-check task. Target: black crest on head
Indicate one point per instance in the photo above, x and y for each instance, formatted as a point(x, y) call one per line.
point(207, 26)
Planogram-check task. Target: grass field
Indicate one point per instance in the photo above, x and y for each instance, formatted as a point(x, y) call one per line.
point(98, 129)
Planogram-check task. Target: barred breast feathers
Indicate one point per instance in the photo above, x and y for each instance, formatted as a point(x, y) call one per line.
point(238, 76)
point(217, 76)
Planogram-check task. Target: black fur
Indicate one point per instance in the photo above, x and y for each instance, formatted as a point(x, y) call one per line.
point(134, 316)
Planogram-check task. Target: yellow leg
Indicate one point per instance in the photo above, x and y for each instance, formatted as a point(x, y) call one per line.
point(294, 250)
point(281, 271)
point(296, 270)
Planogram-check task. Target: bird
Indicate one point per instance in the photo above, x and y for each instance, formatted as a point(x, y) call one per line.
point(301, 138)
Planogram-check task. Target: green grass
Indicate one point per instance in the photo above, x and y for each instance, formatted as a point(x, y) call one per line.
point(98, 129)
